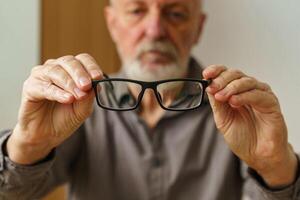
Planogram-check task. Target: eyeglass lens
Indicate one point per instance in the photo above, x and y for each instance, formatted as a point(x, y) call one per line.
point(115, 94)
point(180, 95)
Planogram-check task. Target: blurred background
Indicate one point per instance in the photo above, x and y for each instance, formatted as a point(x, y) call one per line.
point(262, 38)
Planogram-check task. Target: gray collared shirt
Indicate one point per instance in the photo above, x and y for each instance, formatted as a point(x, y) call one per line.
point(115, 156)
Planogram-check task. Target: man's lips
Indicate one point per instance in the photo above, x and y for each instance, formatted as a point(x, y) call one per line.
point(155, 55)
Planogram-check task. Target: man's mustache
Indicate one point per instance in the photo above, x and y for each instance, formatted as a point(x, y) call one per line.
point(164, 47)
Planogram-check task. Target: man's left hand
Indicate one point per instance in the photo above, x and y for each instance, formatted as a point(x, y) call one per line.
point(248, 115)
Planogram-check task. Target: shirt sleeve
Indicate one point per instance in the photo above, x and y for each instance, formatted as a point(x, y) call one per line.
point(20, 181)
point(255, 187)
point(35, 181)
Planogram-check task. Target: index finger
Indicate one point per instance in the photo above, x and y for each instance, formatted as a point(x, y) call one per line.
point(213, 71)
point(90, 65)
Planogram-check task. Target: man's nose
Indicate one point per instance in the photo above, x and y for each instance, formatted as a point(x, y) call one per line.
point(155, 27)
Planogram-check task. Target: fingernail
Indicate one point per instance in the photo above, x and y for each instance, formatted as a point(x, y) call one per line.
point(95, 74)
point(84, 81)
point(79, 93)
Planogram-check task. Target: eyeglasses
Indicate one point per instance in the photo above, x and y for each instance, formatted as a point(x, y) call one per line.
point(172, 94)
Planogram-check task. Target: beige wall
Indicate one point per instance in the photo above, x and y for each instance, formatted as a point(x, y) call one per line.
point(263, 39)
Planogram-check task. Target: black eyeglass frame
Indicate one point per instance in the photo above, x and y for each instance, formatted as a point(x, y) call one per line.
point(149, 85)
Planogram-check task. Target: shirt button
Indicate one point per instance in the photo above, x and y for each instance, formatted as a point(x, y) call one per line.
point(156, 162)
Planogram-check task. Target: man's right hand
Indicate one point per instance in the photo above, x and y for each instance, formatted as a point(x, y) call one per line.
point(57, 98)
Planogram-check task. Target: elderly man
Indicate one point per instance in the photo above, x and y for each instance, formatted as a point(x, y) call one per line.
point(171, 143)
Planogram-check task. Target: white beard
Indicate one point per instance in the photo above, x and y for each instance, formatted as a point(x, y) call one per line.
point(136, 71)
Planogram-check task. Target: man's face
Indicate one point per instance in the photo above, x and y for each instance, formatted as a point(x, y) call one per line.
point(154, 37)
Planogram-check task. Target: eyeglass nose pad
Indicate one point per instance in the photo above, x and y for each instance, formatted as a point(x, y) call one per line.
point(109, 82)
point(111, 85)
point(159, 96)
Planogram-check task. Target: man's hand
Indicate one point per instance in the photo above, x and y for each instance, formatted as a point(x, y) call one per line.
point(248, 114)
point(57, 97)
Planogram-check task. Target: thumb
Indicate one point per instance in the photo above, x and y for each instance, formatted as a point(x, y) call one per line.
point(220, 110)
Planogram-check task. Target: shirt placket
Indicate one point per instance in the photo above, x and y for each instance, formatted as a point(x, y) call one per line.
point(157, 188)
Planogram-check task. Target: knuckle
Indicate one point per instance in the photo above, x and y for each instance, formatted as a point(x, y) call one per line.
point(92, 65)
point(249, 81)
point(49, 61)
point(66, 58)
point(47, 70)
point(252, 82)
point(247, 78)
point(36, 69)
point(221, 79)
point(212, 67)
point(61, 78)
point(266, 87)
point(26, 83)
point(234, 86)
point(29, 87)
point(252, 78)
point(55, 68)
point(50, 69)
point(236, 72)
point(222, 67)
point(82, 55)
point(73, 64)
point(216, 67)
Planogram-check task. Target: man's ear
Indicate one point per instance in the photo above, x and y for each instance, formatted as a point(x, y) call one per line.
point(202, 20)
point(110, 17)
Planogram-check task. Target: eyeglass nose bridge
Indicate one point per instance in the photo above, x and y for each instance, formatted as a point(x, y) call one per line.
point(152, 86)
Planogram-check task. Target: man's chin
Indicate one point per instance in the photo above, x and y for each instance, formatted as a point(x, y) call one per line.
point(156, 58)
point(154, 71)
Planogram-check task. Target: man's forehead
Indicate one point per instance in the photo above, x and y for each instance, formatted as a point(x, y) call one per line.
point(157, 1)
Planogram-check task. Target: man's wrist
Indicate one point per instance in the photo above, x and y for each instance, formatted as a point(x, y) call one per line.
point(283, 173)
point(25, 154)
